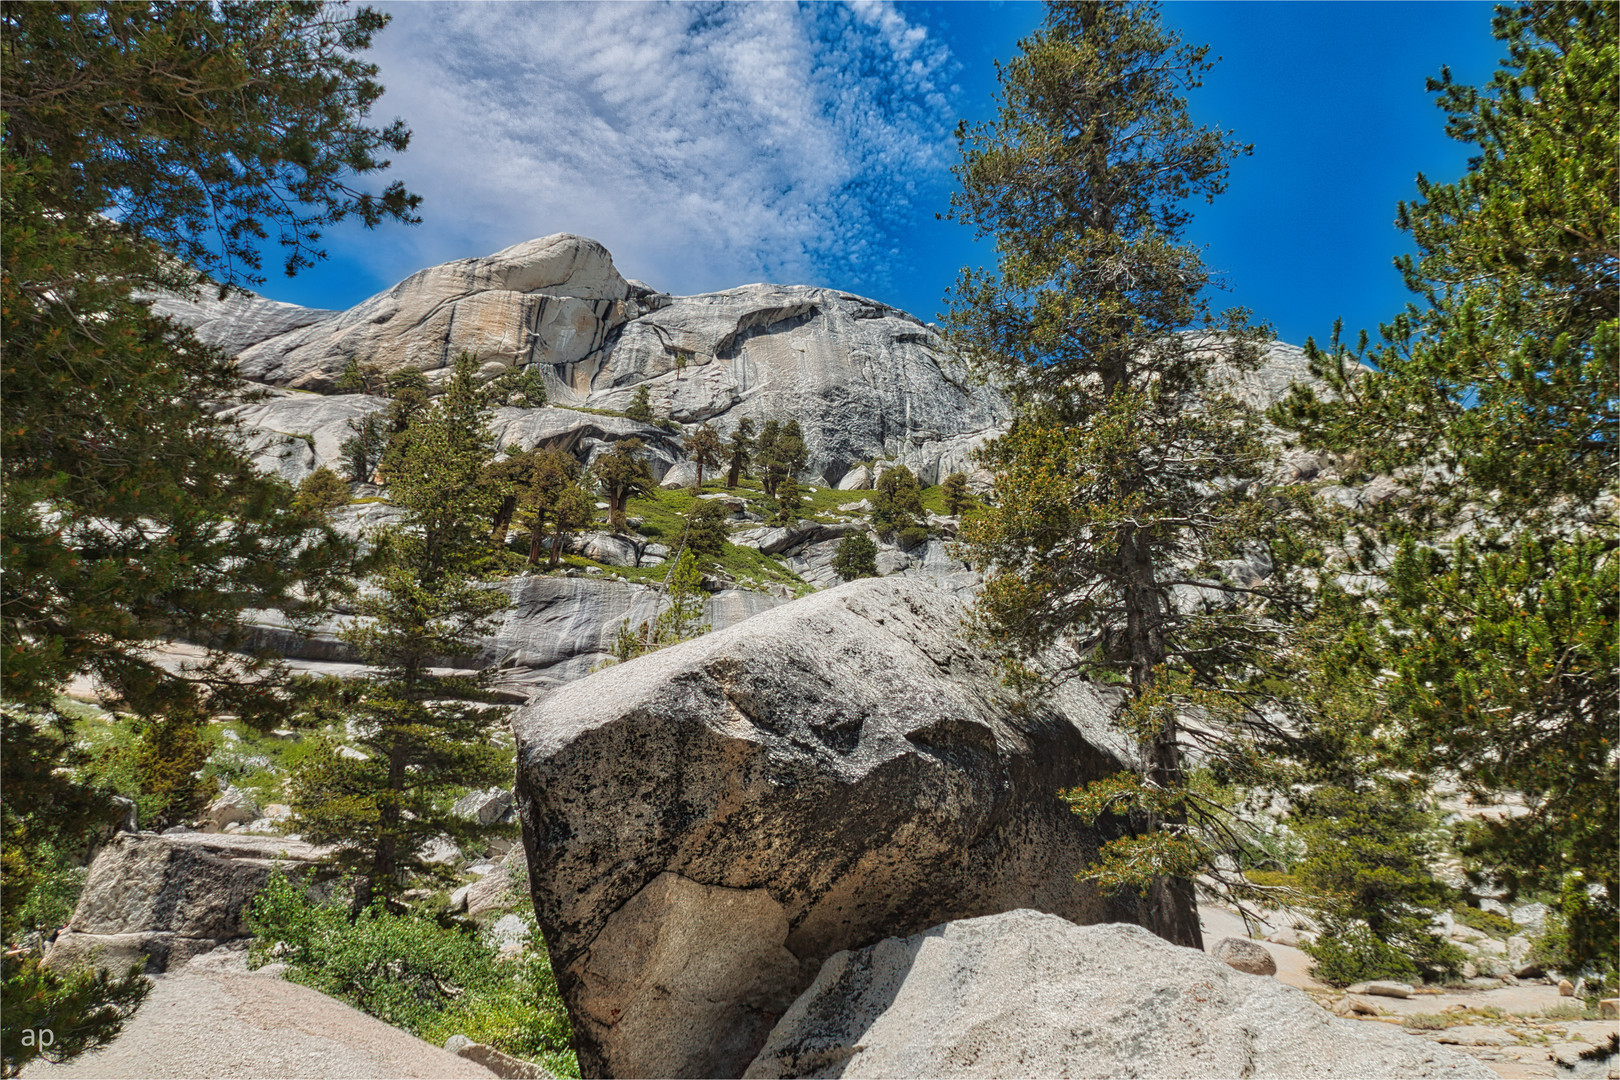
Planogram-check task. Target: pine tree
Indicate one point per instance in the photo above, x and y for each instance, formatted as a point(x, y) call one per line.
point(705, 448)
point(623, 475)
point(552, 475)
point(1494, 401)
point(1124, 479)
point(856, 557)
point(706, 528)
point(788, 500)
point(765, 455)
point(574, 509)
point(423, 734)
point(677, 622)
point(897, 509)
point(740, 447)
point(780, 452)
point(641, 407)
point(362, 451)
point(956, 494)
point(321, 492)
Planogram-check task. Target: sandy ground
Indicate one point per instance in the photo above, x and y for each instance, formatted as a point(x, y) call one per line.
point(1523, 1043)
point(213, 1019)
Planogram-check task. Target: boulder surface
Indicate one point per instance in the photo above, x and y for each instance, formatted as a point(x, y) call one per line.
point(163, 899)
point(1029, 994)
point(706, 824)
point(1244, 955)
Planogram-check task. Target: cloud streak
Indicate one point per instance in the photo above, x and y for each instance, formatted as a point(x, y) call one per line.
point(707, 145)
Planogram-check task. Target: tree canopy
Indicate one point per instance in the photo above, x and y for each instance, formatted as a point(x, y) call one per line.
point(1494, 399)
point(205, 128)
point(151, 147)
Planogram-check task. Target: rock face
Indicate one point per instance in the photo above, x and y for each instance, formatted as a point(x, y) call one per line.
point(561, 628)
point(1030, 994)
point(556, 630)
point(292, 434)
point(863, 379)
point(164, 899)
point(551, 301)
point(704, 825)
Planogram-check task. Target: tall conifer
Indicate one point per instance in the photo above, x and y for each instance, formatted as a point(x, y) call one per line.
point(1125, 479)
point(423, 732)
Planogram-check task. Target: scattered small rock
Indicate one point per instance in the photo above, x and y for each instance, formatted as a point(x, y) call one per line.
point(1390, 989)
point(1244, 955)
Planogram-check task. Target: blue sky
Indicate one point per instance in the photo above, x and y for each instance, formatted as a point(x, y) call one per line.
point(714, 145)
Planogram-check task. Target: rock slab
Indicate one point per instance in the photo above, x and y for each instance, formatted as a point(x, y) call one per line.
point(706, 824)
point(162, 899)
point(216, 1019)
point(1029, 994)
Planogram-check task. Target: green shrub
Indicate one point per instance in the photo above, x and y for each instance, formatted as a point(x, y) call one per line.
point(1354, 954)
point(1582, 932)
point(55, 892)
point(321, 492)
point(169, 764)
point(911, 536)
point(856, 557)
point(434, 978)
point(1366, 856)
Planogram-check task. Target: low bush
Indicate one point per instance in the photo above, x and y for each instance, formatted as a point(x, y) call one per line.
point(1355, 954)
point(431, 975)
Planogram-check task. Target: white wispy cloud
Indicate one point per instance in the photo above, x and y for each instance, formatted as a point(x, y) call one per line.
point(706, 145)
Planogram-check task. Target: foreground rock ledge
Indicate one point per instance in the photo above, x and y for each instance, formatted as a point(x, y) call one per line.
point(159, 900)
point(707, 824)
point(1027, 994)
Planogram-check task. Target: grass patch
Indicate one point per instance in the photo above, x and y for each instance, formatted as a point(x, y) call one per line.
point(1571, 1010)
point(1273, 878)
point(257, 762)
point(1429, 1021)
point(663, 518)
point(1486, 922)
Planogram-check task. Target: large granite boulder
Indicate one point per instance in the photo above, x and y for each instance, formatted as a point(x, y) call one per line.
point(162, 899)
point(706, 824)
point(1029, 994)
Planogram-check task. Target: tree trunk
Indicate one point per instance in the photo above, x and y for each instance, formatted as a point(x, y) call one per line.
point(1172, 902)
point(537, 536)
point(503, 521)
